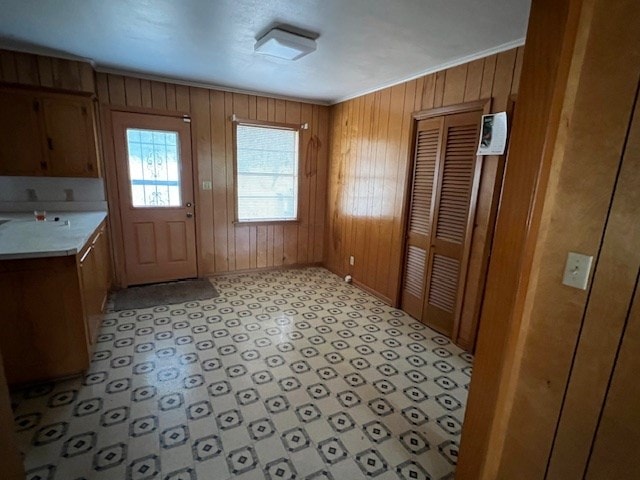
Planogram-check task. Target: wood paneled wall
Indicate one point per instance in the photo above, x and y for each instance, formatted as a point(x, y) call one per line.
point(222, 245)
point(369, 163)
point(39, 71)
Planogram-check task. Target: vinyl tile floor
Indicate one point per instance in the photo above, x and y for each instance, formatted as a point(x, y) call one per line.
point(288, 374)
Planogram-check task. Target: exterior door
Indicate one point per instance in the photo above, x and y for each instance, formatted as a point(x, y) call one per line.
point(440, 221)
point(155, 186)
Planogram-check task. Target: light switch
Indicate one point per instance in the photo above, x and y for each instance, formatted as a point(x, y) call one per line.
point(206, 185)
point(352, 260)
point(577, 269)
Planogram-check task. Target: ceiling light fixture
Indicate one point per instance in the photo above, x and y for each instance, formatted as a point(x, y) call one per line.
point(282, 44)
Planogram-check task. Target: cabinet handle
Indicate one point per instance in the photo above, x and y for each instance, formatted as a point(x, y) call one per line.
point(43, 165)
point(86, 253)
point(90, 167)
point(50, 143)
point(36, 106)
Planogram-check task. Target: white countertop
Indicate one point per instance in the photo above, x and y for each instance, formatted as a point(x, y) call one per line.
point(22, 237)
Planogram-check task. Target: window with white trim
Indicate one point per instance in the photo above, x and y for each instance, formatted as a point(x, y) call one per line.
point(266, 173)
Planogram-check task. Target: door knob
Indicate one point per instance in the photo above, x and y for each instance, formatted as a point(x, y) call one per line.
point(189, 214)
point(188, 204)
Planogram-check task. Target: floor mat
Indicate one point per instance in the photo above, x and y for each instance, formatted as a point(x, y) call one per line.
point(163, 294)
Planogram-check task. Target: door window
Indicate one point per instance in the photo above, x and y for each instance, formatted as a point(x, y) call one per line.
point(154, 168)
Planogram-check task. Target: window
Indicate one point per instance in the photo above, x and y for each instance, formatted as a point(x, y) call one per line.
point(266, 173)
point(154, 168)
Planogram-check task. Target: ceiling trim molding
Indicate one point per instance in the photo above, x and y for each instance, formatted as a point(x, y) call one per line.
point(443, 66)
point(211, 86)
point(44, 52)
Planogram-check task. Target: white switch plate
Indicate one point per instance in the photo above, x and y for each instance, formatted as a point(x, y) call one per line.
point(352, 260)
point(577, 269)
point(206, 185)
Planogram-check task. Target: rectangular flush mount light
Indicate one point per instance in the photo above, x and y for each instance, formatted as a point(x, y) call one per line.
point(283, 44)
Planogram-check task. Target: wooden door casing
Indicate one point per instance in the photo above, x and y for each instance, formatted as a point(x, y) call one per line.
point(159, 242)
point(444, 187)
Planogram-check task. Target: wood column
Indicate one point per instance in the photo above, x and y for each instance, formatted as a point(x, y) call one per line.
point(579, 82)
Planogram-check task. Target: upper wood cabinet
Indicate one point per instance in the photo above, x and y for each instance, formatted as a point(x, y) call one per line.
point(19, 125)
point(51, 134)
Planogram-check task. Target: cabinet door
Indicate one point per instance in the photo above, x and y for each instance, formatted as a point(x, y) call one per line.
point(95, 276)
point(427, 151)
point(454, 212)
point(21, 145)
point(70, 136)
point(89, 284)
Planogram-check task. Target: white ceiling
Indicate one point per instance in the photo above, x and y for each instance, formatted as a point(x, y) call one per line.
point(362, 45)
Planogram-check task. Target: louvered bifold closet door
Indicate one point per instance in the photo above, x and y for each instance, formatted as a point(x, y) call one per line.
point(455, 199)
point(428, 140)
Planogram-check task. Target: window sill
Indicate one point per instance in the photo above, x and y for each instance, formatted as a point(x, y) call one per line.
point(245, 223)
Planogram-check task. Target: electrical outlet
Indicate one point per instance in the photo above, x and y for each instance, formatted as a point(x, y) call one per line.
point(576, 271)
point(352, 260)
point(206, 184)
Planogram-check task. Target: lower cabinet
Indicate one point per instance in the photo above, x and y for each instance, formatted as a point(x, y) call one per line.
point(95, 276)
point(50, 311)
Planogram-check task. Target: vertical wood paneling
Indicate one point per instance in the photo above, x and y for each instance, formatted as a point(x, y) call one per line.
point(412, 96)
point(182, 98)
point(222, 245)
point(502, 80)
point(45, 71)
point(201, 148)
point(102, 87)
point(145, 92)
point(454, 87)
point(117, 95)
point(487, 76)
point(354, 194)
point(171, 96)
point(229, 186)
point(369, 159)
point(262, 232)
point(305, 174)
point(8, 64)
point(293, 112)
point(132, 90)
point(517, 70)
point(474, 80)
point(428, 92)
point(322, 125)
point(218, 177)
point(66, 74)
point(158, 96)
point(389, 180)
point(40, 71)
point(87, 77)
point(27, 69)
point(242, 232)
point(438, 96)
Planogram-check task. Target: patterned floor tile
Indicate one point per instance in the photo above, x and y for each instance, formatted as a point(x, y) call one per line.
point(287, 374)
